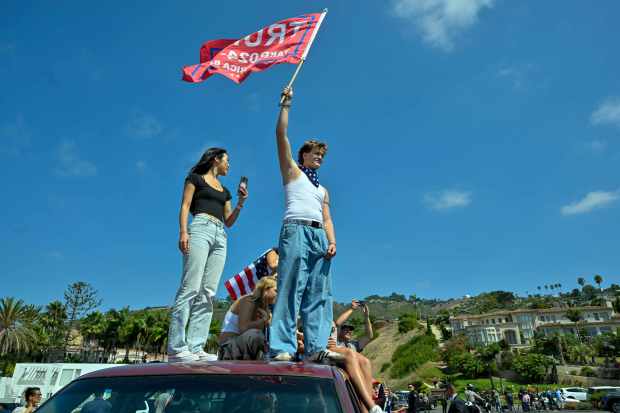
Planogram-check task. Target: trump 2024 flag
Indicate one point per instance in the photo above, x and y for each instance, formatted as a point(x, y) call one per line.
point(287, 41)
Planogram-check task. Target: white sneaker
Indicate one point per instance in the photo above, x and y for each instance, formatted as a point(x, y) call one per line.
point(282, 357)
point(204, 356)
point(325, 357)
point(376, 409)
point(182, 357)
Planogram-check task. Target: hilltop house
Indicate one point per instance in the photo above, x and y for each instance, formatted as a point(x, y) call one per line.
point(517, 327)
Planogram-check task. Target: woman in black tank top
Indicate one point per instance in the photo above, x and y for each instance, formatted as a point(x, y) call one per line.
point(203, 244)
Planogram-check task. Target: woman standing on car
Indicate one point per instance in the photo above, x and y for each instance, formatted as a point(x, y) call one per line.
point(245, 323)
point(203, 244)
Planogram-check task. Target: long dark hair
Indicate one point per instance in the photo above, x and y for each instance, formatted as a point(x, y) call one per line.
point(206, 160)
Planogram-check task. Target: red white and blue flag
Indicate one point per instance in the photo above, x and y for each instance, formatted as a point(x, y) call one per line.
point(287, 41)
point(245, 281)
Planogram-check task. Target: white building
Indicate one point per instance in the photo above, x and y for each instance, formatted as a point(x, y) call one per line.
point(49, 377)
point(517, 327)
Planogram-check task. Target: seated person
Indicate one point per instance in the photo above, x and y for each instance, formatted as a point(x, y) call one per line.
point(345, 331)
point(243, 332)
point(360, 371)
point(357, 367)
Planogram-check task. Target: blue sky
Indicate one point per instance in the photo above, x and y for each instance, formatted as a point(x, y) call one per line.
point(472, 145)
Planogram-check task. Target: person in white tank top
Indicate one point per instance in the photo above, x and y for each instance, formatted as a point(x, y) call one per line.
point(307, 245)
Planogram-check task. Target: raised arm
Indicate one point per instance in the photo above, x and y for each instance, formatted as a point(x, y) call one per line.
point(347, 313)
point(368, 327)
point(288, 167)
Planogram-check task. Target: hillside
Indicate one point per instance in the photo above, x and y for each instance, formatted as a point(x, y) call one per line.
point(380, 352)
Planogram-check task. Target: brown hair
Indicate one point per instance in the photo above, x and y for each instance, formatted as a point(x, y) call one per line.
point(309, 146)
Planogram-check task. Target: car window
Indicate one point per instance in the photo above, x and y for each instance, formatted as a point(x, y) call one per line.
point(196, 394)
point(353, 395)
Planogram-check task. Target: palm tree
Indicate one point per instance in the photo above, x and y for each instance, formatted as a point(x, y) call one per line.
point(16, 333)
point(598, 279)
point(574, 315)
point(92, 328)
point(581, 281)
point(54, 323)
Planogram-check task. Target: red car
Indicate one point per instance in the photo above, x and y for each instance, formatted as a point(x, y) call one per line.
point(217, 387)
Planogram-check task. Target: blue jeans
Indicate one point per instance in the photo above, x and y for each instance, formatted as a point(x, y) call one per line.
point(304, 286)
point(202, 269)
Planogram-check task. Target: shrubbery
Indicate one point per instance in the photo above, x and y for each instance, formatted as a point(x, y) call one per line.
point(533, 367)
point(407, 322)
point(413, 354)
point(587, 371)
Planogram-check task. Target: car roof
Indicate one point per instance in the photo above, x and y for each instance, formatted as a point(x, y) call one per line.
point(217, 368)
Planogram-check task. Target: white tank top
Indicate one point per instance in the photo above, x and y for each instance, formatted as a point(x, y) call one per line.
point(303, 199)
point(231, 323)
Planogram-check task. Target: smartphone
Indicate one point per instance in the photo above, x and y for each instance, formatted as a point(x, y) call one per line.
point(361, 302)
point(244, 182)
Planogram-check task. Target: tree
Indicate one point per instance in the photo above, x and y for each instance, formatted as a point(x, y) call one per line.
point(574, 315)
point(598, 280)
point(80, 298)
point(581, 281)
point(54, 323)
point(16, 332)
point(92, 328)
point(533, 367)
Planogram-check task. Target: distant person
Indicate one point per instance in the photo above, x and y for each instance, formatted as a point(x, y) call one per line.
point(345, 331)
point(203, 245)
point(306, 247)
point(526, 401)
point(509, 400)
point(32, 398)
point(412, 399)
point(473, 397)
point(99, 405)
point(559, 396)
point(455, 405)
point(243, 331)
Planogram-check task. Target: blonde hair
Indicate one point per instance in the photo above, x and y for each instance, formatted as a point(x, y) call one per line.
point(262, 285)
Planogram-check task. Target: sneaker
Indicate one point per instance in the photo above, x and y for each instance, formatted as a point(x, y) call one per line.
point(182, 357)
point(204, 356)
point(376, 409)
point(282, 357)
point(325, 357)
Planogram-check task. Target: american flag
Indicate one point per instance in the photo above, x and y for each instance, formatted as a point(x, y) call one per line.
point(244, 282)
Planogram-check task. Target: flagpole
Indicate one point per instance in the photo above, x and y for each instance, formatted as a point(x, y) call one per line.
point(303, 57)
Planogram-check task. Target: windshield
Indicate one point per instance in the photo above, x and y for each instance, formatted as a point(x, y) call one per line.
point(196, 394)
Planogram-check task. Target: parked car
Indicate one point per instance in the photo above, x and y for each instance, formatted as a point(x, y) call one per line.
point(611, 401)
point(215, 387)
point(576, 393)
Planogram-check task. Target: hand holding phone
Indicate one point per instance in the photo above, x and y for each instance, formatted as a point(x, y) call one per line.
point(243, 183)
point(243, 189)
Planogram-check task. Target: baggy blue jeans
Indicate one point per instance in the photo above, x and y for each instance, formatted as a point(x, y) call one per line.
point(304, 288)
point(191, 314)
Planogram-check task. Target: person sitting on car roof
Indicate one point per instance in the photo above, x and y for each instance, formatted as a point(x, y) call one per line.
point(345, 331)
point(245, 322)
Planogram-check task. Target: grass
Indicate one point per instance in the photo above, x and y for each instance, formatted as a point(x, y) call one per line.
point(485, 384)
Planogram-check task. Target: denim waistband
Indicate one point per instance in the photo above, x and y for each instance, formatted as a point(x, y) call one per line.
point(210, 218)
